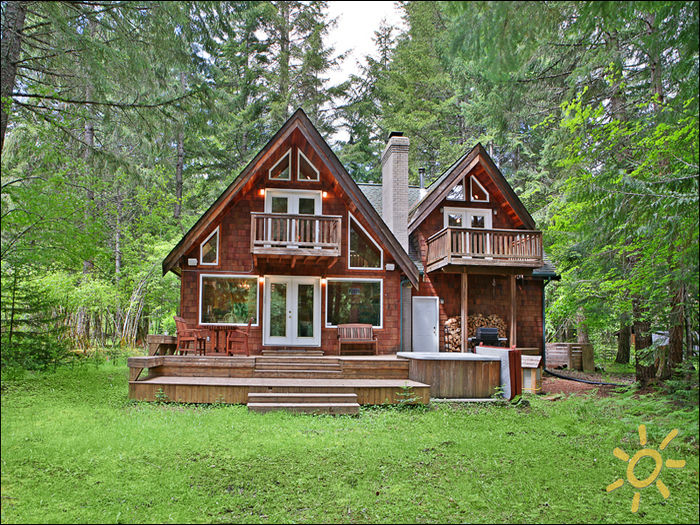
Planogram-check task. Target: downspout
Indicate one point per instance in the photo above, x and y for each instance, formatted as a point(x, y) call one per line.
point(544, 328)
point(403, 280)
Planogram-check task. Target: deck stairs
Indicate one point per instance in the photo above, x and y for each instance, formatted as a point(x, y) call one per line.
point(306, 403)
point(298, 367)
point(283, 351)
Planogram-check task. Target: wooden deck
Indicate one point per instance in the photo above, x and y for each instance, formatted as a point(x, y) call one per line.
point(459, 247)
point(373, 380)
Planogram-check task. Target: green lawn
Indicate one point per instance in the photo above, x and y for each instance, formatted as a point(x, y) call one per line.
point(75, 449)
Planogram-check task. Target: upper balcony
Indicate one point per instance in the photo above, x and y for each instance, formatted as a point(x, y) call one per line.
point(287, 235)
point(451, 248)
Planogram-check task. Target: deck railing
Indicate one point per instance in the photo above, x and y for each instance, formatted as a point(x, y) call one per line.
point(287, 234)
point(479, 246)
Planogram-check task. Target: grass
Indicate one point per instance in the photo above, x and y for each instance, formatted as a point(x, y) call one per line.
point(75, 449)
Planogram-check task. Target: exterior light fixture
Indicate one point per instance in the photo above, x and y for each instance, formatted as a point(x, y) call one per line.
point(261, 280)
point(324, 194)
point(262, 192)
point(323, 281)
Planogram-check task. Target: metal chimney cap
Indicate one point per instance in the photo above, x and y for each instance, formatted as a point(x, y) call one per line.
point(395, 134)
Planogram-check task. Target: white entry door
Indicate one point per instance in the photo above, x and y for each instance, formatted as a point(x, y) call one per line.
point(292, 311)
point(425, 324)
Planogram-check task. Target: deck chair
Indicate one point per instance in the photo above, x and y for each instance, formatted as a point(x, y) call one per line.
point(189, 339)
point(235, 333)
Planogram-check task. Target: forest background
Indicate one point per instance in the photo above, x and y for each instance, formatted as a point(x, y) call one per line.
point(123, 121)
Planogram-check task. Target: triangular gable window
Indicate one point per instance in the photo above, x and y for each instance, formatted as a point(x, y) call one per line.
point(457, 192)
point(477, 192)
point(209, 249)
point(306, 170)
point(363, 252)
point(281, 170)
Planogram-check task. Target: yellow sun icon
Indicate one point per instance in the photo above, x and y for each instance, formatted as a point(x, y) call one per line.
point(643, 453)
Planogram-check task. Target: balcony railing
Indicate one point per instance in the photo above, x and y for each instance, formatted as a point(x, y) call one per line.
point(482, 247)
point(295, 235)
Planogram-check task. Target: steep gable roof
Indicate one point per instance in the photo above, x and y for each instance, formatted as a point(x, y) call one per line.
point(298, 121)
point(439, 189)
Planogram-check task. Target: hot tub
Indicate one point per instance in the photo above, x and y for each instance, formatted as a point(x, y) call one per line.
point(455, 375)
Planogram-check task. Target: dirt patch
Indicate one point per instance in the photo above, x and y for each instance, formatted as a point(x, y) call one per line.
point(554, 385)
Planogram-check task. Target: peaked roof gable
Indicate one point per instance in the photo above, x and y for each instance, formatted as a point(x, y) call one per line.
point(462, 167)
point(298, 121)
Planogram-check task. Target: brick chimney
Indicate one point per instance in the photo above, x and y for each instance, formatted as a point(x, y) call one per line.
point(395, 186)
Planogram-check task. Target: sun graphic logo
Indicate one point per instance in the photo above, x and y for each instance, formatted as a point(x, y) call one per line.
point(646, 453)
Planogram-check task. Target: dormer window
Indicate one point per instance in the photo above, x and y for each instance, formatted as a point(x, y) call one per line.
point(282, 169)
point(457, 192)
point(306, 171)
point(477, 192)
point(209, 249)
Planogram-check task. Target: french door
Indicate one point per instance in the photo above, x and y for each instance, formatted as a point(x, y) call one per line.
point(292, 311)
point(293, 203)
point(473, 242)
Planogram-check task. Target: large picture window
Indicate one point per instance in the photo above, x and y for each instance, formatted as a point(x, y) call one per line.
point(228, 299)
point(354, 301)
point(363, 252)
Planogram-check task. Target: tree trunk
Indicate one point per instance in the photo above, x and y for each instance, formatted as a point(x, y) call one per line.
point(284, 62)
point(13, 23)
point(675, 339)
point(180, 161)
point(581, 329)
point(623, 341)
point(118, 262)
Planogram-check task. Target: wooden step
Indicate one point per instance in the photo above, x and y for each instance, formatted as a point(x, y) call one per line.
point(306, 397)
point(299, 373)
point(292, 351)
point(297, 366)
point(307, 408)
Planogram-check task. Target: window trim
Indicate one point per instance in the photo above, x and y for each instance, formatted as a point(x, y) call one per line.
point(352, 218)
point(318, 173)
point(357, 279)
point(227, 276)
point(289, 177)
point(201, 246)
point(472, 180)
point(464, 192)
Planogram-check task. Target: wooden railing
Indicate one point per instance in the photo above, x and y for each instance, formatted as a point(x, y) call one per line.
point(479, 246)
point(286, 234)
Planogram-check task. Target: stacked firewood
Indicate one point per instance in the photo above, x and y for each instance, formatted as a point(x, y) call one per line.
point(453, 335)
point(492, 321)
point(453, 330)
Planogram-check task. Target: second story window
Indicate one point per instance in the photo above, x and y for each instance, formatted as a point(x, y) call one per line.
point(306, 171)
point(477, 193)
point(457, 192)
point(363, 252)
point(282, 169)
point(209, 249)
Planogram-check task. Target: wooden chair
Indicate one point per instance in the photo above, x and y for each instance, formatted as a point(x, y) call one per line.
point(231, 335)
point(189, 339)
point(356, 334)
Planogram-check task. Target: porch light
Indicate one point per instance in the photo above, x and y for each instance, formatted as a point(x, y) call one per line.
point(324, 194)
point(323, 281)
point(261, 280)
point(262, 192)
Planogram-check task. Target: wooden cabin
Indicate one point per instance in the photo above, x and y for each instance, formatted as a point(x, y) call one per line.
point(295, 247)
